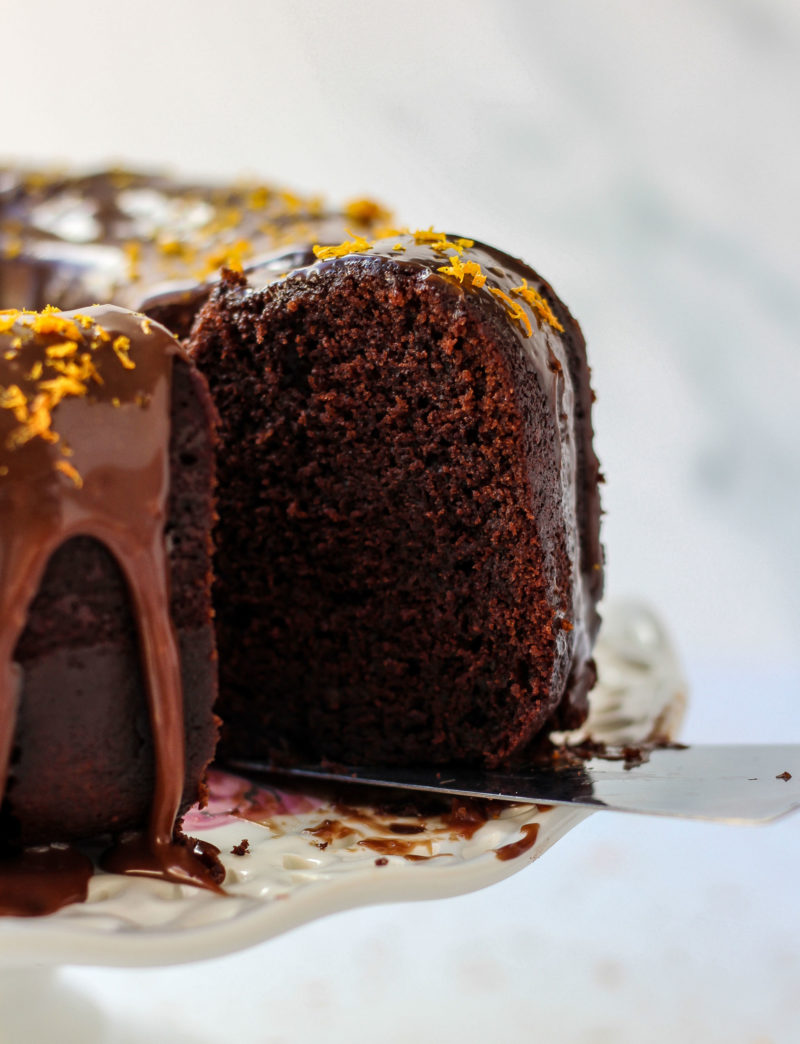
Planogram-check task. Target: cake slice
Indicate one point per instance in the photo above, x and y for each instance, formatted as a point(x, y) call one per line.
point(408, 560)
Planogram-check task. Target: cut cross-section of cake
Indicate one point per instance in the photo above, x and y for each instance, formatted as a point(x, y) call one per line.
point(408, 559)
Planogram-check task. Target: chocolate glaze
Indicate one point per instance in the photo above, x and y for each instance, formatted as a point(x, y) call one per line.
point(115, 490)
point(330, 830)
point(435, 818)
point(530, 831)
point(394, 846)
point(144, 240)
point(39, 881)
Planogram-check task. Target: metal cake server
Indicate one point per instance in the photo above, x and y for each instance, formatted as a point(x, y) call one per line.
point(741, 783)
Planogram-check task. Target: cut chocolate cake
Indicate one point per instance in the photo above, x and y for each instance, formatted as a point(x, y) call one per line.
point(106, 471)
point(407, 550)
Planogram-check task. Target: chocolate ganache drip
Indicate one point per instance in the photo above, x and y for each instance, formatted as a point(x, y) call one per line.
point(84, 440)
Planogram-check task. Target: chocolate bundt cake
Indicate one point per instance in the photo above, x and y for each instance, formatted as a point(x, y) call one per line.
point(407, 559)
point(106, 467)
point(407, 553)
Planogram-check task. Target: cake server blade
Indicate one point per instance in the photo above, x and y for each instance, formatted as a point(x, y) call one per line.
point(741, 783)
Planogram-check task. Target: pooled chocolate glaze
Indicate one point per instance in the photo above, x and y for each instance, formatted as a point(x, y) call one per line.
point(360, 808)
point(38, 881)
point(84, 450)
point(530, 831)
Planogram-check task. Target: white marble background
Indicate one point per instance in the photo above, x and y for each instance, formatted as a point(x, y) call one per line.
point(644, 157)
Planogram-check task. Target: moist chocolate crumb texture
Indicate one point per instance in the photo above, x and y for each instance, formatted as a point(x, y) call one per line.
point(105, 615)
point(408, 559)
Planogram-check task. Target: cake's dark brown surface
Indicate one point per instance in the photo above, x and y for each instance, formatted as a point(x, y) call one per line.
point(408, 558)
point(82, 761)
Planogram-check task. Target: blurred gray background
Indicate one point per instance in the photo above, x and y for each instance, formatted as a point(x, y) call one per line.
point(645, 158)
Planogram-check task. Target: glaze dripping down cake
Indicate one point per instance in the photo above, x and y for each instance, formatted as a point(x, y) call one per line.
point(407, 550)
point(106, 466)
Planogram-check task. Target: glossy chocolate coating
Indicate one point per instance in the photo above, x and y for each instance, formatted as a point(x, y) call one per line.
point(120, 236)
point(84, 452)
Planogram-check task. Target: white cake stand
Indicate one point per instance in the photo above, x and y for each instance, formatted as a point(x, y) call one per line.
point(308, 858)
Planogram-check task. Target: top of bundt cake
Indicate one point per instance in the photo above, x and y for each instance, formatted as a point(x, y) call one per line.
point(123, 236)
